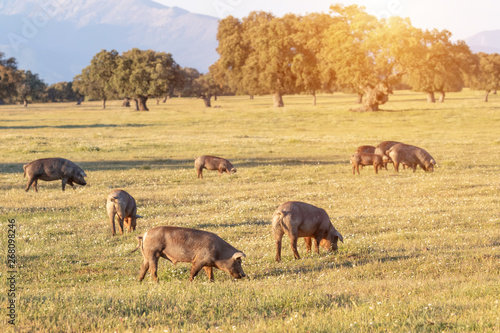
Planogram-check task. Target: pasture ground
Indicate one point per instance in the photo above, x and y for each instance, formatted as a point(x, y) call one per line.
point(421, 251)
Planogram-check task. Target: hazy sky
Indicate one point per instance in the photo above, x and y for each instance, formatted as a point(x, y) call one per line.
point(463, 18)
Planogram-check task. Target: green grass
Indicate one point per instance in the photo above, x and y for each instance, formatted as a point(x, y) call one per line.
point(421, 250)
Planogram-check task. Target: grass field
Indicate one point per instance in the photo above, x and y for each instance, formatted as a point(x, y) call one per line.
point(421, 251)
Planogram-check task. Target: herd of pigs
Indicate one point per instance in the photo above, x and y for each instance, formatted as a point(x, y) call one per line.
point(207, 250)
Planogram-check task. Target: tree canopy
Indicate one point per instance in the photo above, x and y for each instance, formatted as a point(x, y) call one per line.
point(347, 49)
point(95, 80)
point(487, 73)
point(143, 74)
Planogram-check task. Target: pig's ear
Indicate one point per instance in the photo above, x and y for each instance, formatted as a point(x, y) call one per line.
point(84, 174)
point(336, 233)
point(238, 255)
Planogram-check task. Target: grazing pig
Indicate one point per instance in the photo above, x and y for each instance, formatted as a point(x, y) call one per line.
point(122, 204)
point(366, 149)
point(299, 219)
point(201, 248)
point(383, 147)
point(213, 163)
point(411, 156)
point(53, 169)
point(366, 159)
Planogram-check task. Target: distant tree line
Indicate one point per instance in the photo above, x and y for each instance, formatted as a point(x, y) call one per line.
point(23, 86)
point(347, 50)
point(135, 75)
point(139, 75)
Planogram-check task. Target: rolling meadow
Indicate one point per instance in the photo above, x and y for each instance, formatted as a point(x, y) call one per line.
point(421, 251)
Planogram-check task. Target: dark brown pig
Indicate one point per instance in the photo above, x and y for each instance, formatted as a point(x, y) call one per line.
point(383, 147)
point(411, 156)
point(201, 248)
point(213, 163)
point(366, 149)
point(367, 159)
point(53, 169)
point(122, 204)
point(299, 219)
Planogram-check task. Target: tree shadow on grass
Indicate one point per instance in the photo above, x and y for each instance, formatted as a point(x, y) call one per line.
point(76, 126)
point(232, 225)
point(303, 269)
point(9, 168)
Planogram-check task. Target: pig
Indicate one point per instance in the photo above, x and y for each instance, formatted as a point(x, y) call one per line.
point(366, 149)
point(367, 159)
point(201, 248)
point(411, 156)
point(122, 204)
point(383, 147)
point(53, 169)
point(213, 163)
point(300, 219)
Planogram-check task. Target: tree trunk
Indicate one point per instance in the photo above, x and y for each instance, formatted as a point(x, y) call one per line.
point(142, 103)
point(126, 102)
point(215, 97)
point(375, 96)
point(79, 101)
point(25, 102)
point(104, 103)
point(165, 99)
point(251, 96)
point(278, 100)
point(157, 101)
point(441, 97)
point(314, 98)
point(206, 99)
point(486, 96)
point(360, 98)
point(136, 104)
point(431, 98)
point(494, 92)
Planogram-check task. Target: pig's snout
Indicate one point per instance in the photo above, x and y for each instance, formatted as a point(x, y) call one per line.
point(238, 275)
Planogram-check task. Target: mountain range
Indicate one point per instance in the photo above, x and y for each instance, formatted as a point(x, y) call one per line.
point(58, 38)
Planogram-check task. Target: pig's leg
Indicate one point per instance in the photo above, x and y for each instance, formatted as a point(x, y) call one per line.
point(144, 269)
point(127, 222)
point(64, 181)
point(133, 223)
point(120, 223)
point(70, 183)
point(316, 244)
point(153, 267)
point(209, 272)
point(200, 172)
point(353, 169)
point(308, 241)
point(120, 212)
point(357, 168)
point(375, 165)
point(195, 269)
point(396, 166)
point(30, 181)
point(35, 185)
point(293, 244)
point(112, 220)
point(278, 235)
